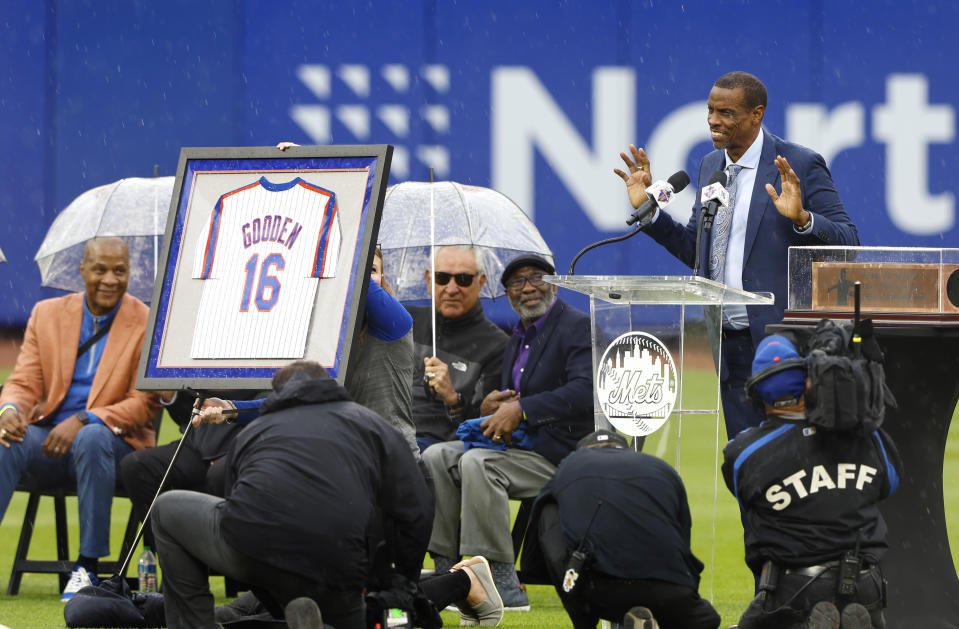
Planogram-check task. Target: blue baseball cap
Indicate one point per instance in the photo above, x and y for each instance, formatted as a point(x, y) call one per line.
point(781, 384)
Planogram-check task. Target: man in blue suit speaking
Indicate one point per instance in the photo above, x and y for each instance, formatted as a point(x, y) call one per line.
point(747, 246)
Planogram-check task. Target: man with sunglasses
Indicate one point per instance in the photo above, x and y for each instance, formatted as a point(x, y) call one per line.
point(449, 387)
point(546, 387)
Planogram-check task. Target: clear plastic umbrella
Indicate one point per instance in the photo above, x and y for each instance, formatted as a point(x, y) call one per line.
point(461, 215)
point(418, 217)
point(134, 209)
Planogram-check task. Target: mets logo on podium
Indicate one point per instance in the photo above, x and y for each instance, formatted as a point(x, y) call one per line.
point(637, 384)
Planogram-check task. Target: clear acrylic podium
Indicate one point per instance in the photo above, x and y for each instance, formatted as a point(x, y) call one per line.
point(682, 315)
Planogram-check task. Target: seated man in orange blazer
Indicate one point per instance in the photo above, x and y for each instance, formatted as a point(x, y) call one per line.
point(69, 411)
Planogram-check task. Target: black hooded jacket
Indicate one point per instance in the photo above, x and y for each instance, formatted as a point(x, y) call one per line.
point(305, 480)
point(472, 346)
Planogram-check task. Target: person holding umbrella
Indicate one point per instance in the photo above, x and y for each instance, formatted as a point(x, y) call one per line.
point(547, 386)
point(441, 241)
point(62, 417)
point(450, 384)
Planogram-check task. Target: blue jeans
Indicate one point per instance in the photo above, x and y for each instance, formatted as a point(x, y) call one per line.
point(90, 463)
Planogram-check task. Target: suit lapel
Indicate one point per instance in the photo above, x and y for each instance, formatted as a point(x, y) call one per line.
point(70, 325)
point(540, 342)
point(509, 357)
point(760, 202)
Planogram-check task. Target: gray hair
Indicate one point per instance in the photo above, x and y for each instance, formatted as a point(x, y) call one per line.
point(477, 255)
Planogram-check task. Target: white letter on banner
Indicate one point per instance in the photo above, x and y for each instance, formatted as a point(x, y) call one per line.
point(668, 148)
point(525, 116)
point(826, 132)
point(908, 124)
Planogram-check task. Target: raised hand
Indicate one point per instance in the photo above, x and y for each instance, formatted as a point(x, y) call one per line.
point(789, 202)
point(639, 177)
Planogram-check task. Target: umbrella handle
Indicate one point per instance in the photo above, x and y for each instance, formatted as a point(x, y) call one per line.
point(430, 393)
point(432, 288)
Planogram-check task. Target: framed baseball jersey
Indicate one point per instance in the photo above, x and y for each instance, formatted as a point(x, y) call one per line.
point(266, 259)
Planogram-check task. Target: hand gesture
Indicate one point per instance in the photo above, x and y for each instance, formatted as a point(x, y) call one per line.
point(789, 203)
point(500, 425)
point(639, 177)
point(211, 412)
point(438, 375)
point(59, 440)
point(495, 399)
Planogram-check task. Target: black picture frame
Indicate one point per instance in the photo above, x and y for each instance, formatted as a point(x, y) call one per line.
point(197, 343)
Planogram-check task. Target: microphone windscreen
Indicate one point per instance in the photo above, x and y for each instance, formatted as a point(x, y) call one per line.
point(718, 177)
point(678, 180)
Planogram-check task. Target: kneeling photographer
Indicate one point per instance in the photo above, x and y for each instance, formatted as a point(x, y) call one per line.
point(809, 481)
point(610, 531)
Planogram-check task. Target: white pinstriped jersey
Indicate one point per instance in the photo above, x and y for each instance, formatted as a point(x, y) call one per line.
point(261, 254)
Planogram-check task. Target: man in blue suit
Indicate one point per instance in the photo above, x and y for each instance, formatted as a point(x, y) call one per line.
point(747, 247)
point(546, 389)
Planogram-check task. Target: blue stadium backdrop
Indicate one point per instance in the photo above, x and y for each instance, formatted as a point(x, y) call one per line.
point(533, 98)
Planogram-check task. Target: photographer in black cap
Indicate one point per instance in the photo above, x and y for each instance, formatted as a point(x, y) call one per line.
point(809, 497)
point(610, 531)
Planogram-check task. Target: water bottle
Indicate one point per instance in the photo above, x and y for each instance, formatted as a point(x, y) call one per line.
point(147, 570)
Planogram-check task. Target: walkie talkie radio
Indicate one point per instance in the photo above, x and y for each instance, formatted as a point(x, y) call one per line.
point(849, 566)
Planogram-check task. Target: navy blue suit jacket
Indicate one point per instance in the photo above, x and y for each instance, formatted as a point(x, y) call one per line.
point(768, 233)
point(557, 384)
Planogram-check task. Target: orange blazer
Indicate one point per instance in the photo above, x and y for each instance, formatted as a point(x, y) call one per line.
point(45, 366)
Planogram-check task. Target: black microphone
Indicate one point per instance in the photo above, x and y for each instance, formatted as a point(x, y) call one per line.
point(660, 194)
point(714, 195)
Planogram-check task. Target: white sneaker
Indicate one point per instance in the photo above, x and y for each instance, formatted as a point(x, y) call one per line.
point(79, 578)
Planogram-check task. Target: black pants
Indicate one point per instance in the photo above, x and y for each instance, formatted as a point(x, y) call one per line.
point(599, 596)
point(446, 589)
point(789, 605)
point(190, 543)
point(143, 470)
point(441, 589)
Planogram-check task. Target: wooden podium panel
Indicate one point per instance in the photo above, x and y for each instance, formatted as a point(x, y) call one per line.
point(886, 287)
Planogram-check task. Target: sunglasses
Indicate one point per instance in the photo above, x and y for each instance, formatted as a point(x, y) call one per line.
point(516, 284)
point(462, 279)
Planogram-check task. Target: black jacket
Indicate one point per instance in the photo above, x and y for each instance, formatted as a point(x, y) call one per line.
point(306, 477)
point(642, 529)
point(556, 389)
point(472, 346)
point(805, 493)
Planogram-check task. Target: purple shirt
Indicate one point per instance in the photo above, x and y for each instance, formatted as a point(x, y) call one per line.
point(525, 336)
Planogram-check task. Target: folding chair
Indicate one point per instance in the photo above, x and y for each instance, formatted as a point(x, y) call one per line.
point(63, 564)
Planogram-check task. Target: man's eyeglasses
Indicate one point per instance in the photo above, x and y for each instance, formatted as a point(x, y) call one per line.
point(516, 284)
point(462, 279)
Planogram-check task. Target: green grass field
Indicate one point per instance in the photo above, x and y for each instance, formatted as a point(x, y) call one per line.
point(716, 541)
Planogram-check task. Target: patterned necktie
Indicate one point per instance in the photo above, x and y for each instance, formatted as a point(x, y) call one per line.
point(721, 227)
